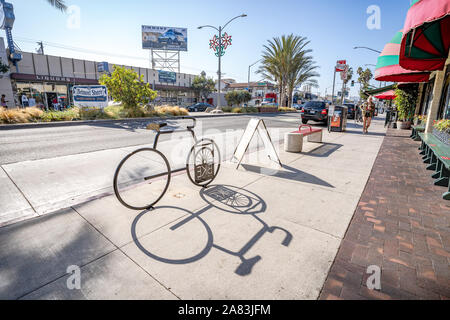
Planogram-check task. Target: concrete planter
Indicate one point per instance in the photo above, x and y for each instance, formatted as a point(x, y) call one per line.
point(267, 109)
point(442, 136)
point(403, 125)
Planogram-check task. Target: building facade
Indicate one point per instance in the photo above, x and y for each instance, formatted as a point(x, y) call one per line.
point(45, 79)
point(258, 90)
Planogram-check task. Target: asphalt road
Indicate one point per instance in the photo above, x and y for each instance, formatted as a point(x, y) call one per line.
point(44, 143)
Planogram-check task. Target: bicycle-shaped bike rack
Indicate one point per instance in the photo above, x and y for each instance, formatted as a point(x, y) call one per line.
point(143, 177)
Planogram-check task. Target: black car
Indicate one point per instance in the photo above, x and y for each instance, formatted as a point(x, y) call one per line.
point(316, 111)
point(351, 110)
point(199, 107)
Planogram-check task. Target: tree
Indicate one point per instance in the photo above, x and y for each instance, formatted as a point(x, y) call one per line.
point(405, 100)
point(364, 77)
point(286, 61)
point(244, 97)
point(58, 4)
point(4, 68)
point(237, 97)
point(232, 98)
point(127, 87)
point(203, 86)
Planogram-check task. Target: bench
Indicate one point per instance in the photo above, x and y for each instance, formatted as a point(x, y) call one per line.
point(293, 141)
point(437, 155)
point(415, 132)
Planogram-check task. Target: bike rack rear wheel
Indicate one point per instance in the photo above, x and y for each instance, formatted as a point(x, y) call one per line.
point(203, 163)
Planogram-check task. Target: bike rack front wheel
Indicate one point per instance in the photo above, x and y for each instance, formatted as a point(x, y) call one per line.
point(139, 179)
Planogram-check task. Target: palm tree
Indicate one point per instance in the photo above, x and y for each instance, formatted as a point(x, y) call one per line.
point(58, 4)
point(286, 62)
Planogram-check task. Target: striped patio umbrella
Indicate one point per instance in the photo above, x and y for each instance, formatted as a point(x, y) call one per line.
point(388, 68)
point(426, 41)
point(388, 95)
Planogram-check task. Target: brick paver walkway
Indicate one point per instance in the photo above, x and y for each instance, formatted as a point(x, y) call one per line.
point(402, 225)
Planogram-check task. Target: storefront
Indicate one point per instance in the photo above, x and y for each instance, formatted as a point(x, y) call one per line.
point(45, 92)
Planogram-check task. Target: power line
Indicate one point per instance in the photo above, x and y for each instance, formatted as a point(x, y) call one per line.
point(103, 53)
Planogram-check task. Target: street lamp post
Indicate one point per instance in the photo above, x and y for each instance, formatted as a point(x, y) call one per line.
point(377, 51)
point(220, 52)
point(249, 69)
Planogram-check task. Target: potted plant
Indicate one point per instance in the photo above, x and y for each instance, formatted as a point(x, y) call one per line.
point(406, 102)
point(441, 130)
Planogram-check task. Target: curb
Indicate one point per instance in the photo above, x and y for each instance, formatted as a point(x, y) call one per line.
point(107, 121)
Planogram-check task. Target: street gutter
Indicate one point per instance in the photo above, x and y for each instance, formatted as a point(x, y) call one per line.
point(108, 121)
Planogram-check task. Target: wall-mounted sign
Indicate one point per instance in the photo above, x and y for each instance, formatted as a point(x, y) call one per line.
point(167, 76)
point(7, 16)
point(164, 38)
point(103, 67)
point(90, 96)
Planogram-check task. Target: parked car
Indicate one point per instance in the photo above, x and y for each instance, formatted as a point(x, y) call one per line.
point(316, 111)
point(199, 107)
point(351, 110)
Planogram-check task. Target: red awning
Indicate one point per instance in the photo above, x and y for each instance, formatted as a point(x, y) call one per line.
point(426, 37)
point(387, 95)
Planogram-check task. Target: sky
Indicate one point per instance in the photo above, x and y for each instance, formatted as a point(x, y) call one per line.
point(110, 30)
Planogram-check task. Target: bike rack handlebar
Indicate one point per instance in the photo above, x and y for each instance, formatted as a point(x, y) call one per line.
point(188, 129)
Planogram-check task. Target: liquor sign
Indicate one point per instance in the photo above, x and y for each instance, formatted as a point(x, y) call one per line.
point(167, 77)
point(340, 65)
point(90, 96)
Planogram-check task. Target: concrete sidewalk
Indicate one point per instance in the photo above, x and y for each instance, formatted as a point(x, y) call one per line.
point(35, 188)
point(256, 234)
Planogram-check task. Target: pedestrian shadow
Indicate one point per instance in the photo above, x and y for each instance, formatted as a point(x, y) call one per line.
point(227, 199)
point(288, 173)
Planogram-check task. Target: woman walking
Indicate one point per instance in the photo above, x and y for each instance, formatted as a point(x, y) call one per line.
point(368, 110)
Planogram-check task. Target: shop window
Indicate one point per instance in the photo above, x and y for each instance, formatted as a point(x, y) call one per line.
point(444, 107)
point(428, 97)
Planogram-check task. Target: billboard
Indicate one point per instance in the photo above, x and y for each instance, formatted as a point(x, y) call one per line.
point(167, 77)
point(164, 38)
point(90, 96)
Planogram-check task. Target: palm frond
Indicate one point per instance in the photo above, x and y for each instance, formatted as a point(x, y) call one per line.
point(58, 4)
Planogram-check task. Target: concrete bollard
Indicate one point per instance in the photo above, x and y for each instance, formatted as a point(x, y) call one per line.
point(316, 137)
point(293, 142)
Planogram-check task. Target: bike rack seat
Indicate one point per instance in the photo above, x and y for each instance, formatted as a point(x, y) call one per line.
point(156, 126)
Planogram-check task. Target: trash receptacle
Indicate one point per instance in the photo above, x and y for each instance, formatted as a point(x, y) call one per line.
point(337, 118)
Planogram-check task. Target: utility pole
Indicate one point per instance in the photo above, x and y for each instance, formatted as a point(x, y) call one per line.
point(40, 49)
point(334, 83)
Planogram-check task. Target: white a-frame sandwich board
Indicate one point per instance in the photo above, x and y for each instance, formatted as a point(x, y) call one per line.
point(255, 125)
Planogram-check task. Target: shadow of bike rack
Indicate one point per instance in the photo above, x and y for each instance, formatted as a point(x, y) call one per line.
point(227, 199)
